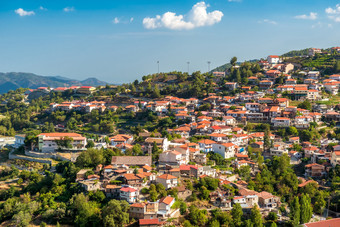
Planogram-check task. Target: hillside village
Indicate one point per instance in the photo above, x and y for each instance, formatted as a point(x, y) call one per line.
point(257, 144)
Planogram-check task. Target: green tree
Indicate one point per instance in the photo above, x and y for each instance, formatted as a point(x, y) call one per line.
point(292, 131)
point(256, 217)
point(197, 216)
point(90, 158)
point(266, 139)
point(305, 105)
point(237, 214)
point(115, 213)
point(90, 144)
point(22, 218)
point(337, 66)
point(306, 209)
point(319, 203)
point(183, 208)
point(295, 211)
point(233, 61)
point(85, 212)
point(238, 76)
point(156, 92)
point(273, 224)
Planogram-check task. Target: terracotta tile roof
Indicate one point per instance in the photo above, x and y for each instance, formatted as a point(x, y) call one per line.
point(128, 189)
point(325, 223)
point(167, 176)
point(112, 186)
point(59, 135)
point(147, 167)
point(148, 222)
point(264, 195)
point(139, 205)
point(167, 200)
point(131, 160)
point(131, 176)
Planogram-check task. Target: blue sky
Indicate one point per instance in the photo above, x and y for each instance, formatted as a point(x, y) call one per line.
point(119, 41)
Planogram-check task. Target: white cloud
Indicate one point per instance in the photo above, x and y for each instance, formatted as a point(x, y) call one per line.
point(131, 19)
point(267, 21)
point(234, 0)
point(197, 17)
point(42, 8)
point(311, 16)
point(116, 20)
point(21, 12)
point(68, 9)
point(322, 25)
point(334, 13)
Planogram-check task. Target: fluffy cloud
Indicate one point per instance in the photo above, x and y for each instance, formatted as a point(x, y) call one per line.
point(42, 8)
point(334, 13)
point(21, 12)
point(311, 16)
point(197, 17)
point(68, 9)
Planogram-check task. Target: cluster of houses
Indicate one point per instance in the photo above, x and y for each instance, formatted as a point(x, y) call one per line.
point(219, 130)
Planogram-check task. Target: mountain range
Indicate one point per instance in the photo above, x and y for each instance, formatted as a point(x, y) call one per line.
point(14, 80)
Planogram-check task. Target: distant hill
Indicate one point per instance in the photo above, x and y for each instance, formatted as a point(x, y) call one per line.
point(222, 68)
point(296, 53)
point(14, 80)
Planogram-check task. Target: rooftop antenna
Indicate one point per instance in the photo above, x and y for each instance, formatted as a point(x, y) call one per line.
point(188, 67)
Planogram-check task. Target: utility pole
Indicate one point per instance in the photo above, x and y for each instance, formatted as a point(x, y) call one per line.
point(209, 66)
point(188, 67)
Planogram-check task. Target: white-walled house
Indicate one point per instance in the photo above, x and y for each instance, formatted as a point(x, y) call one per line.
point(167, 180)
point(19, 140)
point(129, 194)
point(335, 158)
point(165, 204)
point(48, 141)
point(206, 145)
point(121, 139)
point(281, 122)
point(273, 59)
point(172, 158)
point(227, 150)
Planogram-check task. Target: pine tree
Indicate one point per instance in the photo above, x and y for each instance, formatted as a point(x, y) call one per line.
point(156, 92)
point(306, 209)
point(238, 76)
point(237, 214)
point(233, 61)
point(337, 66)
point(273, 224)
point(256, 217)
point(266, 139)
point(295, 212)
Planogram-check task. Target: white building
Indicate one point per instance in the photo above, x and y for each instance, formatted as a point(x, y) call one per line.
point(335, 159)
point(172, 158)
point(227, 150)
point(167, 180)
point(19, 140)
point(129, 194)
point(273, 59)
point(48, 142)
point(281, 122)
